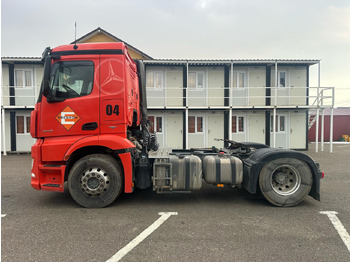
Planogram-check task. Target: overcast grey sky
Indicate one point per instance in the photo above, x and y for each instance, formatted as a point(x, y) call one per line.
point(222, 29)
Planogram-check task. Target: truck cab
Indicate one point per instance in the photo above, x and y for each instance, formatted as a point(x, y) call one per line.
point(89, 98)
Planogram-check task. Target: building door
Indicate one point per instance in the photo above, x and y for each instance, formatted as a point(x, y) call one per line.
point(215, 129)
point(174, 130)
point(24, 141)
point(281, 129)
point(298, 130)
point(256, 127)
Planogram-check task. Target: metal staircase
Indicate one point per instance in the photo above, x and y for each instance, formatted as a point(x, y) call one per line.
point(312, 117)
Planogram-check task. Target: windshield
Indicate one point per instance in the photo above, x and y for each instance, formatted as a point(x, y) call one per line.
point(71, 79)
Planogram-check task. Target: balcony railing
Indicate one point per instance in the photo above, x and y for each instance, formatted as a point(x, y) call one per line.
point(19, 96)
point(241, 97)
point(174, 97)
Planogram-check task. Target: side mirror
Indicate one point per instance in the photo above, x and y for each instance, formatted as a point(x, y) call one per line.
point(46, 78)
point(54, 99)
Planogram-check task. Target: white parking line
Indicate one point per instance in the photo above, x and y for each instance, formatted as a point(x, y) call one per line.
point(338, 226)
point(137, 240)
point(3, 215)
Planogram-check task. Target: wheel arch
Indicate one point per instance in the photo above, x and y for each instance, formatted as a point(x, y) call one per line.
point(104, 144)
point(89, 150)
point(254, 164)
point(112, 142)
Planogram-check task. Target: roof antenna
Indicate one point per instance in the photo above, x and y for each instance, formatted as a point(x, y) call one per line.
point(75, 41)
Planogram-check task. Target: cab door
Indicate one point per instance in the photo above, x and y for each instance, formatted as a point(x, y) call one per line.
point(71, 106)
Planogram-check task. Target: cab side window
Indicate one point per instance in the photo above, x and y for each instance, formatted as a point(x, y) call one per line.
point(72, 79)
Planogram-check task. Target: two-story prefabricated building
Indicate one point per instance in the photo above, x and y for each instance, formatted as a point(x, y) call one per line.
point(190, 102)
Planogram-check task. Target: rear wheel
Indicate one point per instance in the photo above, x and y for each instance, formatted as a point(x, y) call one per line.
point(285, 181)
point(95, 181)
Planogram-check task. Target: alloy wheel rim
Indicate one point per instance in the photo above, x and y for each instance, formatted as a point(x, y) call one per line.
point(95, 181)
point(285, 180)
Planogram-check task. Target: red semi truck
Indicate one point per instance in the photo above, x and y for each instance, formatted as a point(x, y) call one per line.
point(91, 128)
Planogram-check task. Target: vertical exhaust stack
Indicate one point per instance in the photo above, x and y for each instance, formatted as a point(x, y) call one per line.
point(144, 169)
point(149, 139)
point(142, 86)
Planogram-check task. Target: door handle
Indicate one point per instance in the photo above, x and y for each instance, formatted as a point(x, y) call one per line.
point(90, 126)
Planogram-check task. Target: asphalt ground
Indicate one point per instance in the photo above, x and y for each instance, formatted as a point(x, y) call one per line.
point(213, 224)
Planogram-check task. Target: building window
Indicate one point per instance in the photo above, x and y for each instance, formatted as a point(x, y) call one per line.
point(155, 79)
point(241, 80)
point(191, 124)
point(280, 124)
point(196, 79)
point(195, 124)
point(23, 124)
point(237, 124)
point(156, 124)
point(23, 78)
point(199, 124)
point(281, 79)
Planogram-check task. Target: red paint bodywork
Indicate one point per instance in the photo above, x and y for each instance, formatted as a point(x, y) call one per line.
point(115, 84)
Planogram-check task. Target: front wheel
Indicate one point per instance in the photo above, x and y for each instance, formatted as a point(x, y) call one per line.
point(95, 181)
point(285, 181)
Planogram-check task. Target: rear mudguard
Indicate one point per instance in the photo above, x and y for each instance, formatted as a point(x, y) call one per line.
point(255, 162)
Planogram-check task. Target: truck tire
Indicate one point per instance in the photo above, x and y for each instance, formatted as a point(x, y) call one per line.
point(285, 182)
point(95, 181)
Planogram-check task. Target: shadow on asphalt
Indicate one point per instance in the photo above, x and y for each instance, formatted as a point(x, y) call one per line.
point(208, 195)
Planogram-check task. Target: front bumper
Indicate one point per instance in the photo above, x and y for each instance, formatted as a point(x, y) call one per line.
point(46, 176)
